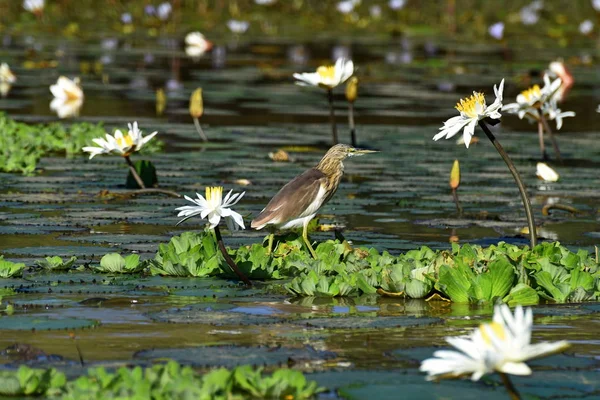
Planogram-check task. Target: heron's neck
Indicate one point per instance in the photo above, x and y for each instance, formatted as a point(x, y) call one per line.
point(331, 167)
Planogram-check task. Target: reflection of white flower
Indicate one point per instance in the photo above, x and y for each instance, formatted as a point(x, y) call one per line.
point(496, 30)
point(121, 144)
point(236, 26)
point(502, 345)
point(4, 88)
point(544, 172)
point(34, 6)
point(586, 27)
point(68, 97)
point(6, 75)
point(163, 11)
point(472, 110)
point(327, 77)
point(214, 207)
point(196, 44)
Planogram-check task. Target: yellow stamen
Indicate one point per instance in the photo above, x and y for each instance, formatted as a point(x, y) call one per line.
point(214, 192)
point(125, 141)
point(469, 105)
point(497, 329)
point(532, 93)
point(326, 72)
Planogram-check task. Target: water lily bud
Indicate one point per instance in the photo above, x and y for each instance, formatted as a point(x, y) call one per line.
point(161, 101)
point(352, 89)
point(196, 104)
point(544, 172)
point(455, 175)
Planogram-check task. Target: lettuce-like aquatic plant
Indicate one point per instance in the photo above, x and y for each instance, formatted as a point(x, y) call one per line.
point(114, 263)
point(9, 269)
point(56, 263)
point(190, 254)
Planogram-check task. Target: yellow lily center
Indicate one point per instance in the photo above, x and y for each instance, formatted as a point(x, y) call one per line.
point(326, 72)
point(533, 92)
point(125, 141)
point(214, 194)
point(472, 105)
point(497, 329)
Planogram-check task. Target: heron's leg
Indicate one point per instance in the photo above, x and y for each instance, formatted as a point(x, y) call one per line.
point(270, 246)
point(306, 241)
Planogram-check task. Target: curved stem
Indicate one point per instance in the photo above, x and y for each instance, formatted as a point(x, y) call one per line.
point(351, 123)
point(550, 135)
point(546, 209)
point(230, 262)
point(334, 135)
point(517, 177)
point(200, 131)
point(510, 388)
point(149, 191)
point(137, 178)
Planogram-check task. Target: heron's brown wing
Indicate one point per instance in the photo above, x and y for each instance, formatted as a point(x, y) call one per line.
point(292, 200)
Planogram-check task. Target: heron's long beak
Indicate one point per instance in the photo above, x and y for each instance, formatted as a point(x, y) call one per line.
point(360, 152)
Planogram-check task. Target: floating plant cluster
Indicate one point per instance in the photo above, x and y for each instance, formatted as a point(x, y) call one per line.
point(168, 381)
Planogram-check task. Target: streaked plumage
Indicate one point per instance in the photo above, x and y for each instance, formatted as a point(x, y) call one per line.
point(296, 204)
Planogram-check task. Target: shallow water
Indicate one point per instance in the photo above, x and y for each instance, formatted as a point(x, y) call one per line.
point(395, 200)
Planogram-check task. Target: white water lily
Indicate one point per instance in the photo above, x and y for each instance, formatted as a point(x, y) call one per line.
point(121, 144)
point(327, 77)
point(544, 172)
point(213, 208)
point(34, 6)
point(196, 44)
point(472, 110)
point(502, 345)
point(586, 27)
point(545, 99)
point(6, 75)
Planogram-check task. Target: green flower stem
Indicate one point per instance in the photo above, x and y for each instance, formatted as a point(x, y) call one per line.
point(550, 135)
point(510, 388)
point(230, 262)
point(334, 135)
point(541, 138)
point(200, 131)
point(351, 123)
point(139, 180)
point(517, 177)
point(457, 202)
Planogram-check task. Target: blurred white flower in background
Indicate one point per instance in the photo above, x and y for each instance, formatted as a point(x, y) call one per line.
point(347, 6)
point(586, 27)
point(163, 11)
point(497, 30)
point(126, 18)
point(596, 5)
point(196, 45)
point(530, 13)
point(68, 97)
point(237, 26)
point(34, 6)
point(265, 2)
point(397, 4)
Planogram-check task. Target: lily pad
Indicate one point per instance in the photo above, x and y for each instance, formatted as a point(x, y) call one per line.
point(231, 356)
point(368, 322)
point(40, 323)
